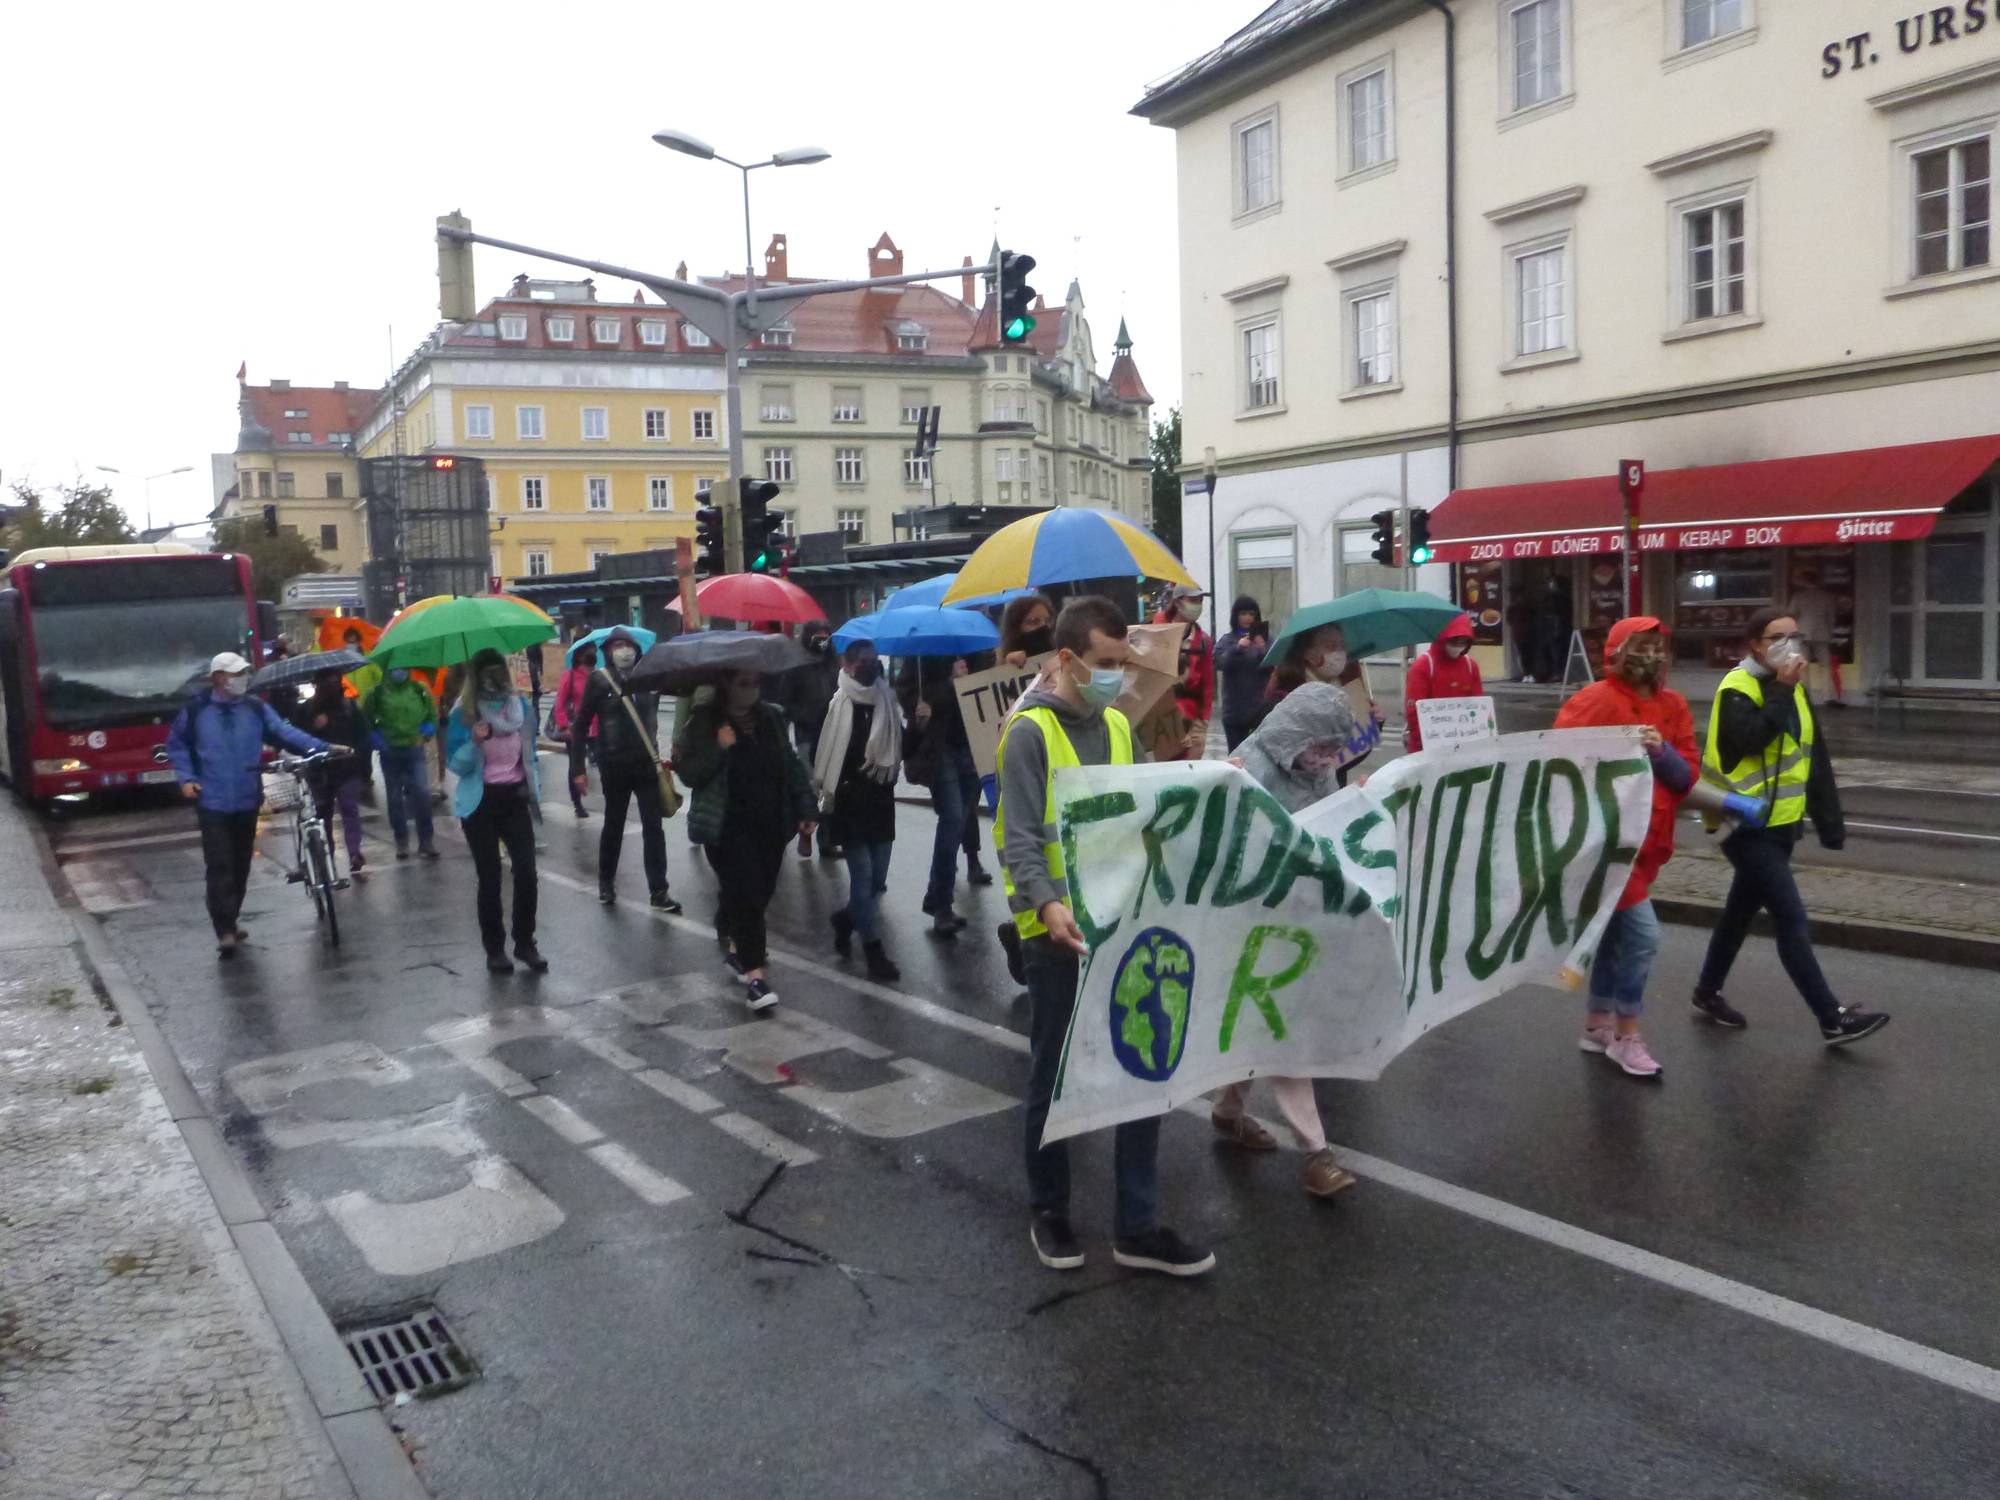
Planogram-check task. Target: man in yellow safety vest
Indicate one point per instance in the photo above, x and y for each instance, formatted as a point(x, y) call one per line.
point(1068, 720)
point(1764, 743)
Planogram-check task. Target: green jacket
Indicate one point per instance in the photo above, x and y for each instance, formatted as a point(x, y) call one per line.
point(401, 710)
point(702, 763)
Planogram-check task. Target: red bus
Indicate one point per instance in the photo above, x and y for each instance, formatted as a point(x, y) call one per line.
point(99, 649)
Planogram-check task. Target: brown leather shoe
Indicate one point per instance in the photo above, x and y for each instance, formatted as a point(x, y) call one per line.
point(1323, 1176)
point(1244, 1132)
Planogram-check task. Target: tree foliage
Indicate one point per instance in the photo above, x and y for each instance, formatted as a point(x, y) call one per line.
point(274, 560)
point(1166, 447)
point(77, 514)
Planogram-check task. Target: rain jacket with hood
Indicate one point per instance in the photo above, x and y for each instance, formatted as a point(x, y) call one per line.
point(569, 697)
point(1239, 662)
point(219, 742)
point(599, 715)
point(404, 713)
point(1612, 700)
point(468, 763)
point(1435, 674)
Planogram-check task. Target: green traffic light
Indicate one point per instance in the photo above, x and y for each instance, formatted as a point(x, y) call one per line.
point(1020, 328)
point(1421, 555)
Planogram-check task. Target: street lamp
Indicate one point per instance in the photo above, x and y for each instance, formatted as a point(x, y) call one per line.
point(148, 480)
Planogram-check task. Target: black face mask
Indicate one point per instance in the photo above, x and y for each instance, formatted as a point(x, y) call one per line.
point(817, 645)
point(1035, 642)
point(867, 673)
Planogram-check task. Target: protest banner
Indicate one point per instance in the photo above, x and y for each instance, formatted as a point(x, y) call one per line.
point(1230, 939)
point(1455, 721)
point(986, 698)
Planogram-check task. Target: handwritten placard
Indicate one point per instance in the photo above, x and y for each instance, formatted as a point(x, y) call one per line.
point(1455, 721)
point(984, 701)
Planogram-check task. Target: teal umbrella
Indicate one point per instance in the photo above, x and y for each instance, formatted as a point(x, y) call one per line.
point(1372, 620)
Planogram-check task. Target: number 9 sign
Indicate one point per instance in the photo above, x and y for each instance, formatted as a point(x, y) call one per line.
point(1631, 475)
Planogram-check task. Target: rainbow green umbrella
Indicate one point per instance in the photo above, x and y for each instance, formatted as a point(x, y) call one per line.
point(1062, 546)
point(449, 631)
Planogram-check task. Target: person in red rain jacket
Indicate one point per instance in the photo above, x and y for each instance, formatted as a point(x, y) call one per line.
point(1444, 669)
point(1630, 692)
point(1196, 689)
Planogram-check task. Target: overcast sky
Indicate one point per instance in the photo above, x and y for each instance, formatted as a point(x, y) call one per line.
point(192, 186)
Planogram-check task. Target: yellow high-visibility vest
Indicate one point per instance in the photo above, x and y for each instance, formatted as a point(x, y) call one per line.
point(1776, 773)
point(1061, 753)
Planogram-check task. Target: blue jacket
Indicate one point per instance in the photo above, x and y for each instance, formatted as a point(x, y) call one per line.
point(219, 741)
point(465, 760)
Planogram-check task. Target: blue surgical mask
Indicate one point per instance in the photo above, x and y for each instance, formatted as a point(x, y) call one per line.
point(399, 674)
point(1105, 684)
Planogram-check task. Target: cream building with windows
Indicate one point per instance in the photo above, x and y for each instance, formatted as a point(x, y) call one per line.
point(1746, 243)
point(295, 452)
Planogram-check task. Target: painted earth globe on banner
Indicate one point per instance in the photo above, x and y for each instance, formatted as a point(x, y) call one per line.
point(1150, 996)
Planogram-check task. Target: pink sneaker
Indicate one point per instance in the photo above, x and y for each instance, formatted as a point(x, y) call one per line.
point(1595, 1038)
point(1630, 1053)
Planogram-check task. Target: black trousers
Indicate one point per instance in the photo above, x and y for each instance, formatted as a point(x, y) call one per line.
point(1762, 860)
point(624, 781)
point(747, 870)
point(502, 817)
point(228, 843)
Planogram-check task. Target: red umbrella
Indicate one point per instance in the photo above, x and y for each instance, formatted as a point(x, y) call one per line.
point(755, 598)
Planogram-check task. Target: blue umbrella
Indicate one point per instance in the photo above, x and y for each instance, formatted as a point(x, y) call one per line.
point(921, 632)
point(929, 594)
point(646, 639)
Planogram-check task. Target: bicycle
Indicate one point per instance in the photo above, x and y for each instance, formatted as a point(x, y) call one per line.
point(292, 784)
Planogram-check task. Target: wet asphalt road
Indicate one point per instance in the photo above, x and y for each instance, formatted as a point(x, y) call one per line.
point(579, 1171)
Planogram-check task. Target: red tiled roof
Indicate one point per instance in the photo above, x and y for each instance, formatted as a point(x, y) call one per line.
point(865, 322)
point(327, 409)
point(1126, 382)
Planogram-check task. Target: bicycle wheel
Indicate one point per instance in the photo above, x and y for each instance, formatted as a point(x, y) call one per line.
point(319, 877)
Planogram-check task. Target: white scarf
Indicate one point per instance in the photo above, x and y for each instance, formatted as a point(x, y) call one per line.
point(882, 758)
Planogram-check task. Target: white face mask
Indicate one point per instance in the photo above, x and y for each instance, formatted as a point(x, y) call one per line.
point(623, 657)
point(236, 686)
point(1190, 610)
point(1331, 666)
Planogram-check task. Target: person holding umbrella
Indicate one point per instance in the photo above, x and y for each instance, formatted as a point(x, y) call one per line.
point(626, 724)
point(854, 774)
point(569, 698)
point(806, 692)
point(1444, 669)
point(489, 745)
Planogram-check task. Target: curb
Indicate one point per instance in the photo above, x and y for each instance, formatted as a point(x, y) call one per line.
point(1892, 939)
point(370, 1456)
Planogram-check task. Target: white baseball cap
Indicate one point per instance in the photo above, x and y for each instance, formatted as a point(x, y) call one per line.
point(229, 663)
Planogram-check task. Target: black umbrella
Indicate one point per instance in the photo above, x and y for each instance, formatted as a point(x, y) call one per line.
point(290, 669)
point(701, 657)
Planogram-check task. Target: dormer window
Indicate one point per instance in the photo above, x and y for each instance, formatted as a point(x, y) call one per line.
point(779, 337)
point(513, 326)
point(696, 339)
point(653, 331)
point(604, 330)
point(562, 329)
point(911, 338)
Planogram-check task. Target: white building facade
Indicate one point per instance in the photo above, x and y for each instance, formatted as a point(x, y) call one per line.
point(1478, 253)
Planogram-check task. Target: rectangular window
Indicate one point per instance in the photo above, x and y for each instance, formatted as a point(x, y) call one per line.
point(656, 427)
point(1705, 20)
point(513, 326)
point(597, 552)
point(264, 484)
point(778, 465)
point(1541, 300)
point(1368, 120)
point(339, 437)
point(1042, 417)
point(329, 538)
point(1374, 339)
point(336, 487)
point(604, 330)
point(1003, 464)
point(704, 426)
point(696, 339)
point(853, 523)
point(298, 437)
point(660, 492)
point(1715, 261)
point(653, 332)
point(534, 492)
point(284, 486)
point(706, 482)
point(1535, 29)
point(1265, 569)
point(478, 422)
point(1257, 164)
point(536, 561)
point(912, 341)
point(1954, 207)
point(775, 403)
point(596, 424)
point(916, 470)
point(847, 466)
point(915, 401)
point(296, 413)
point(1260, 366)
point(597, 491)
point(847, 403)
point(779, 337)
point(1042, 475)
point(561, 329)
point(528, 423)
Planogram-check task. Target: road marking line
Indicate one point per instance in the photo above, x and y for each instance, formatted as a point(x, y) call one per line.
point(762, 1139)
point(686, 1095)
point(83, 848)
point(611, 1052)
point(563, 1120)
point(1929, 833)
point(654, 1187)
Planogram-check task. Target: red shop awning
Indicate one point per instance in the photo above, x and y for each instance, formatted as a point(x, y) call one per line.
point(1869, 495)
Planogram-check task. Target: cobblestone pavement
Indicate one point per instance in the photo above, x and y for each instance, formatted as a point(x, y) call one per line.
point(136, 1357)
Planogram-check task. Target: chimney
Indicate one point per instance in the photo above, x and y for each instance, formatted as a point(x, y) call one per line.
point(340, 385)
point(281, 385)
point(589, 289)
point(965, 283)
point(884, 259)
point(520, 287)
point(776, 267)
point(681, 271)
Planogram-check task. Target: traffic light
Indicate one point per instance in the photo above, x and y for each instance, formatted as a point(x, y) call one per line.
point(708, 532)
point(1421, 550)
point(1016, 297)
point(760, 523)
point(270, 520)
point(1384, 538)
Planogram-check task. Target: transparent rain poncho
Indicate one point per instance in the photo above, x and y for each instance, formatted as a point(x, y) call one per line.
point(1297, 752)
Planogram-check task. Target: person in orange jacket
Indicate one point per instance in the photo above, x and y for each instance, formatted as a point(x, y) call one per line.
point(1443, 669)
point(1630, 692)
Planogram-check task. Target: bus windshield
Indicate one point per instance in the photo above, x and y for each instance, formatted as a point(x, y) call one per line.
point(107, 662)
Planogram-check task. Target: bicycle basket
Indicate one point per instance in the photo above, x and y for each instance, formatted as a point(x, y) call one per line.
point(281, 791)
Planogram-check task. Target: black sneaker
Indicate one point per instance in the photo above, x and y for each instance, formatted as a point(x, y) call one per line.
point(976, 873)
point(402, 851)
point(499, 963)
point(1010, 944)
point(1851, 1025)
point(1711, 1004)
point(1055, 1243)
point(428, 851)
point(759, 994)
point(663, 902)
point(607, 893)
point(1160, 1249)
point(947, 923)
point(843, 933)
point(531, 958)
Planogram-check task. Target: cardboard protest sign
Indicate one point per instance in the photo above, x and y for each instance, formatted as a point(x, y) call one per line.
point(1367, 728)
point(1230, 939)
point(1455, 721)
point(986, 698)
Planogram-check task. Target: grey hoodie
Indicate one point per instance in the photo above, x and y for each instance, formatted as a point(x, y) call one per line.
point(1024, 788)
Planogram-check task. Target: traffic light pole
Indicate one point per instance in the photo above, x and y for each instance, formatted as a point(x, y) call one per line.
point(731, 500)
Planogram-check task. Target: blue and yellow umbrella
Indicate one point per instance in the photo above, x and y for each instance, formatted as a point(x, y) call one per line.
point(1063, 546)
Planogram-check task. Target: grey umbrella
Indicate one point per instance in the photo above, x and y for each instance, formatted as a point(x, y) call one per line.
point(290, 669)
point(701, 657)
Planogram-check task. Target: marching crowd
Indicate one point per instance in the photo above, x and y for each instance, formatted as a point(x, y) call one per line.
point(811, 758)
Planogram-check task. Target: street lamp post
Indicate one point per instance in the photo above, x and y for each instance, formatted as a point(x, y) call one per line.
point(148, 479)
point(733, 333)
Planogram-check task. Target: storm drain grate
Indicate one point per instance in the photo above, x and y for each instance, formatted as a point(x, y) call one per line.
point(413, 1356)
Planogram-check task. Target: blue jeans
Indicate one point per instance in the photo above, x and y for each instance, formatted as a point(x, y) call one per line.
point(955, 796)
point(867, 867)
point(1624, 960)
point(406, 780)
point(1051, 975)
